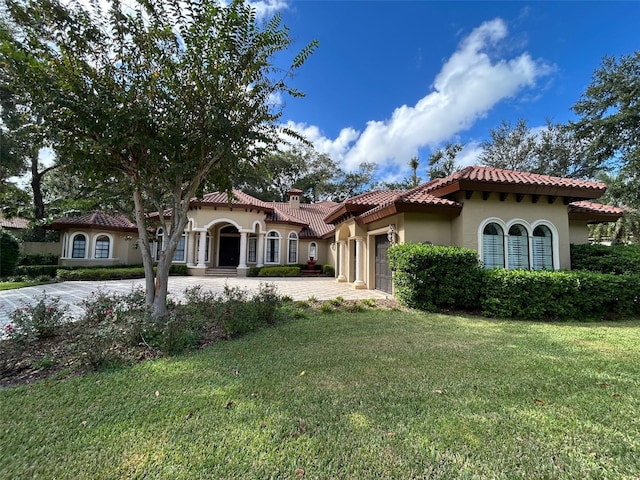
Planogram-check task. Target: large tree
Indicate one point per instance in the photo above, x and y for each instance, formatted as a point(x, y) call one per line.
point(610, 112)
point(161, 95)
point(442, 162)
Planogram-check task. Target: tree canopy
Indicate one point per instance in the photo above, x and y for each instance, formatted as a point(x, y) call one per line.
point(161, 96)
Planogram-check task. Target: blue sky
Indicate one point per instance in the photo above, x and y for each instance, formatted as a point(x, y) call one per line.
point(396, 79)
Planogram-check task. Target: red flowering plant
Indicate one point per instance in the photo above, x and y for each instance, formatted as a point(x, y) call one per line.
point(38, 320)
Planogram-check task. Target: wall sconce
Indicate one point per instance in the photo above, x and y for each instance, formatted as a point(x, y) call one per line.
point(333, 246)
point(391, 234)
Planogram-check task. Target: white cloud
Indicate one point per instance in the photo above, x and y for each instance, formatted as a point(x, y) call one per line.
point(468, 85)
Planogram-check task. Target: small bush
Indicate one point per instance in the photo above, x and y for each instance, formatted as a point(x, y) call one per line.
point(179, 270)
point(9, 253)
point(254, 271)
point(37, 321)
point(33, 271)
point(279, 272)
point(430, 277)
point(328, 270)
point(103, 273)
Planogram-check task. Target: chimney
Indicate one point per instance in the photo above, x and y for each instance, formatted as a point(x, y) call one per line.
point(294, 198)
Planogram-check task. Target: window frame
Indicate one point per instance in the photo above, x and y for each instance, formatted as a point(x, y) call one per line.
point(84, 248)
point(109, 250)
point(272, 239)
point(292, 248)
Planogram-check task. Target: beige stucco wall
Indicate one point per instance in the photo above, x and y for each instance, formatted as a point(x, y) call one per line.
point(465, 228)
point(578, 232)
point(53, 248)
point(124, 248)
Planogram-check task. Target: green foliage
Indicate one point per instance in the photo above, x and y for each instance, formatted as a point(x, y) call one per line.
point(543, 295)
point(328, 270)
point(37, 321)
point(431, 277)
point(104, 273)
point(32, 271)
point(179, 270)
point(39, 259)
point(616, 259)
point(9, 253)
point(254, 271)
point(279, 272)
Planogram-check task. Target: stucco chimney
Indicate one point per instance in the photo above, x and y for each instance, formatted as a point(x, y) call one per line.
point(294, 198)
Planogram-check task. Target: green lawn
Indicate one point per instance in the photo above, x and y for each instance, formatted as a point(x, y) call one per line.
point(378, 394)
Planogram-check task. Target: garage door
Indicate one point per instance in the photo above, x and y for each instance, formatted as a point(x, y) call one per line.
point(383, 272)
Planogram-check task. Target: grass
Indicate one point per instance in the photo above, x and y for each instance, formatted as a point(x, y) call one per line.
point(15, 285)
point(376, 394)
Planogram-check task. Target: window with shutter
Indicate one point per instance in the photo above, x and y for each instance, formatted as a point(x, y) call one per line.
point(518, 245)
point(493, 246)
point(542, 248)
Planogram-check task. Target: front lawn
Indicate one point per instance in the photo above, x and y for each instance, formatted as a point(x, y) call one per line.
point(374, 394)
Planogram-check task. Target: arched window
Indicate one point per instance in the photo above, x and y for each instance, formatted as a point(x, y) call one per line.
point(293, 248)
point(102, 248)
point(518, 245)
point(252, 248)
point(493, 246)
point(313, 250)
point(542, 248)
point(79, 246)
point(273, 248)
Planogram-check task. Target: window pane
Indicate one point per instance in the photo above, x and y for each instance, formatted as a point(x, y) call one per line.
point(542, 248)
point(493, 246)
point(178, 256)
point(252, 249)
point(293, 251)
point(518, 248)
point(79, 246)
point(102, 247)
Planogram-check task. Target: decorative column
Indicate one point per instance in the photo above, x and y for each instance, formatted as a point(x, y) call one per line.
point(260, 250)
point(242, 264)
point(191, 249)
point(359, 284)
point(342, 251)
point(202, 247)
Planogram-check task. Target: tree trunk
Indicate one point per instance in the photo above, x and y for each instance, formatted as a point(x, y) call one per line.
point(145, 248)
point(38, 202)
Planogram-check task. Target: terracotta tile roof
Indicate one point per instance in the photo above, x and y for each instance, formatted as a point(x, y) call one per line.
point(238, 199)
point(495, 179)
point(14, 223)
point(594, 212)
point(311, 215)
point(360, 203)
point(96, 220)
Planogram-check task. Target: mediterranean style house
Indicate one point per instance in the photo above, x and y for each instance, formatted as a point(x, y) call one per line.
point(512, 219)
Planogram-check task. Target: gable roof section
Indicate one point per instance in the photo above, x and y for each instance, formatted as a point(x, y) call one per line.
point(310, 215)
point(14, 223)
point(118, 223)
point(594, 212)
point(359, 204)
point(238, 199)
point(485, 179)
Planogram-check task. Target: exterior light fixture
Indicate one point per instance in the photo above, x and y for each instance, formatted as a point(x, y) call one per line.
point(391, 234)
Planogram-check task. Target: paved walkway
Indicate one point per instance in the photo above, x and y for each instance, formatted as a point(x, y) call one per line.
point(71, 293)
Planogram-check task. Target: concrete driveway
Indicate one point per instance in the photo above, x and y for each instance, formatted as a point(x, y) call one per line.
point(71, 293)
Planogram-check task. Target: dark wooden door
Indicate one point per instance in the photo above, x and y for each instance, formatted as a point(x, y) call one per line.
point(229, 255)
point(383, 272)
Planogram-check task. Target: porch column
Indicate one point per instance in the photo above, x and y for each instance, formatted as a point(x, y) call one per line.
point(359, 284)
point(191, 249)
point(202, 247)
point(341, 254)
point(260, 250)
point(243, 250)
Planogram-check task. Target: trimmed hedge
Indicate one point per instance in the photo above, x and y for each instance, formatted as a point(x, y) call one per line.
point(430, 277)
point(279, 272)
point(39, 259)
point(37, 270)
point(111, 273)
point(328, 270)
point(616, 259)
point(575, 295)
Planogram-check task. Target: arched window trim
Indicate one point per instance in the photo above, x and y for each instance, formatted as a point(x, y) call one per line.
point(518, 247)
point(499, 255)
point(272, 241)
point(530, 227)
point(73, 242)
point(94, 244)
point(313, 250)
point(292, 248)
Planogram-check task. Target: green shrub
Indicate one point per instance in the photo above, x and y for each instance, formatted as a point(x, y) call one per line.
point(37, 321)
point(279, 272)
point(104, 273)
point(39, 259)
point(432, 277)
point(178, 270)
point(9, 253)
point(37, 270)
point(616, 259)
point(328, 270)
point(575, 295)
point(254, 271)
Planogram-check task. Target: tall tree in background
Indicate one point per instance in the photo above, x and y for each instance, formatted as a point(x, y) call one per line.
point(415, 180)
point(161, 95)
point(510, 147)
point(442, 162)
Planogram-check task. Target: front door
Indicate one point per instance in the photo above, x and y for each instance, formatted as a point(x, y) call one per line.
point(229, 255)
point(383, 272)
